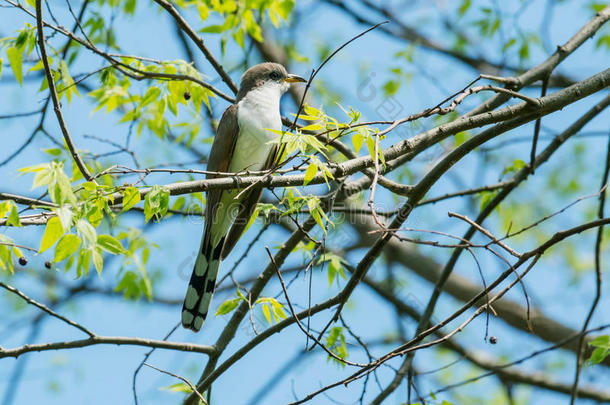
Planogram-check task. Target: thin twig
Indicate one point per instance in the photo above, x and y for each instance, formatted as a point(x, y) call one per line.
point(486, 233)
point(298, 322)
point(185, 380)
point(46, 309)
point(146, 356)
point(598, 279)
point(329, 57)
point(545, 83)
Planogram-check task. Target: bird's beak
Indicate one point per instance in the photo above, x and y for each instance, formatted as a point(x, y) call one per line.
point(294, 79)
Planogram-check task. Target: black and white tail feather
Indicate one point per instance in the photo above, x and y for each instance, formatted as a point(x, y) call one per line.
point(202, 283)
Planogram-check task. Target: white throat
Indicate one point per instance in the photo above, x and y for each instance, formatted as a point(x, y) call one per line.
point(265, 98)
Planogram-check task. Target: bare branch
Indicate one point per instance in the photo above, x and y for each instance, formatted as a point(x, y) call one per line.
point(185, 380)
point(56, 104)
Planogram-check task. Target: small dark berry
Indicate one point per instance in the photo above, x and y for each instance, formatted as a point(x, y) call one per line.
point(187, 95)
point(23, 261)
point(493, 340)
point(47, 264)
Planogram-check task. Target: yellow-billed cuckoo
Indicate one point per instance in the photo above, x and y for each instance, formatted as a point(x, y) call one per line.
point(242, 142)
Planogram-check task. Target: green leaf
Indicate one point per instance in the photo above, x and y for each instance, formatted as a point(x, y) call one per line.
point(128, 284)
point(84, 260)
point(602, 345)
point(131, 196)
point(52, 233)
point(67, 245)
point(228, 306)
point(52, 151)
point(13, 217)
point(486, 197)
point(87, 231)
point(335, 266)
point(212, 29)
point(42, 178)
point(284, 7)
point(495, 26)
point(178, 387)
point(65, 214)
point(15, 58)
point(460, 138)
point(178, 203)
point(98, 260)
point(95, 214)
point(603, 40)
point(313, 111)
point(335, 341)
point(601, 341)
point(508, 44)
point(130, 7)
point(390, 87)
point(252, 26)
point(89, 186)
point(267, 313)
point(110, 244)
point(597, 6)
point(358, 139)
point(5, 208)
point(312, 127)
point(598, 355)
point(6, 261)
point(151, 95)
point(524, 51)
point(277, 310)
point(271, 307)
point(464, 7)
point(203, 11)
point(238, 36)
point(305, 117)
point(310, 173)
point(156, 203)
point(517, 165)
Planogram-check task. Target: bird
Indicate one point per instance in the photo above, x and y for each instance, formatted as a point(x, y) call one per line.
point(244, 141)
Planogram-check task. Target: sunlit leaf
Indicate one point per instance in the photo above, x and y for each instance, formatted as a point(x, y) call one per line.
point(98, 260)
point(228, 306)
point(67, 245)
point(13, 217)
point(15, 58)
point(110, 244)
point(52, 233)
point(310, 173)
point(131, 196)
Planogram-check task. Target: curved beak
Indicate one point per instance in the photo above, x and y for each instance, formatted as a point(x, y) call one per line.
point(294, 79)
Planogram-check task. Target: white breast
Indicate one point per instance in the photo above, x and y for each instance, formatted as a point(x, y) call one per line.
point(256, 112)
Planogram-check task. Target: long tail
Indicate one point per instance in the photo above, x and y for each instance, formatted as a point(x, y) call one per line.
point(201, 286)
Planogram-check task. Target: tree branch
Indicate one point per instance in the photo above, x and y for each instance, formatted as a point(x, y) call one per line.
point(56, 104)
point(199, 43)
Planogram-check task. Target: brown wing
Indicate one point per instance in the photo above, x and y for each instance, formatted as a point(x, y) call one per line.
point(220, 159)
point(248, 205)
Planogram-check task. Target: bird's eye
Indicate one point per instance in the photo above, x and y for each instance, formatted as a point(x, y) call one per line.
point(275, 75)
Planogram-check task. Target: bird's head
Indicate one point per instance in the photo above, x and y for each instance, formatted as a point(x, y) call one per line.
point(267, 74)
